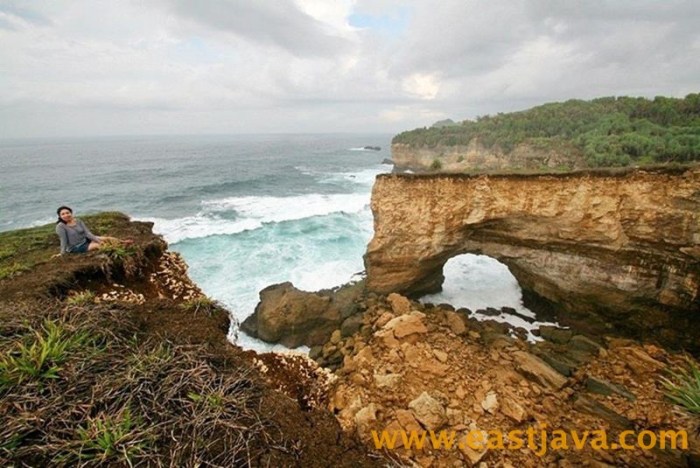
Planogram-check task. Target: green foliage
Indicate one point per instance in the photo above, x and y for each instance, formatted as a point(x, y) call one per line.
point(81, 299)
point(684, 387)
point(40, 357)
point(200, 304)
point(436, 165)
point(8, 271)
point(114, 438)
point(607, 131)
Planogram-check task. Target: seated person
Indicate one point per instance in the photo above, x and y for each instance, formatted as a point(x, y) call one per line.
point(74, 234)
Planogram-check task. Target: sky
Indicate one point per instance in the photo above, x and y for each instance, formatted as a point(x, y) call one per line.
point(73, 68)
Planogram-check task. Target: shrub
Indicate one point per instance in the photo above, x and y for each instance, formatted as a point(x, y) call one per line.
point(436, 165)
point(683, 388)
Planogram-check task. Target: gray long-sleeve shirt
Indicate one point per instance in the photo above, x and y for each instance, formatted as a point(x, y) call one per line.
point(72, 236)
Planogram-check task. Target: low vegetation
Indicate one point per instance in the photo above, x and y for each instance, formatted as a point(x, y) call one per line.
point(683, 387)
point(611, 131)
point(199, 304)
point(79, 387)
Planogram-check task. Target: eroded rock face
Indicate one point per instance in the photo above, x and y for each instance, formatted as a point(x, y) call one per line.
point(623, 246)
point(292, 317)
point(460, 158)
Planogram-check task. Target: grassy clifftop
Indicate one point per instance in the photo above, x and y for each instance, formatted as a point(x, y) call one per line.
point(610, 131)
point(115, 358)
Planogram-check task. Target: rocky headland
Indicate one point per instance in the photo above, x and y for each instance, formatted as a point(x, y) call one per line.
point(615, 249)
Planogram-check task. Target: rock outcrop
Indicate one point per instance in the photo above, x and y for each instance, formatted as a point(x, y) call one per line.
point(294, 318)
point(620, 246)
point(477, 157)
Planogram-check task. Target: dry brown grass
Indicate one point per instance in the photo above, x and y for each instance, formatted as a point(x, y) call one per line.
point(116, 399)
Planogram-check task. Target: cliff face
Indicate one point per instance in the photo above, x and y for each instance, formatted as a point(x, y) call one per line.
point(475, 156)
point(623, 247)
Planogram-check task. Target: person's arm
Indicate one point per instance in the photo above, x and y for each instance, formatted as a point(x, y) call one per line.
point(63, 237)
point(89, 234)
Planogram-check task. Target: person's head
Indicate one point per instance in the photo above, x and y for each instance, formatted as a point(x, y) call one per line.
point(65, 214)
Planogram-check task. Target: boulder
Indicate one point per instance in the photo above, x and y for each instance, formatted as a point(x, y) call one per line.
point(428, 411)
point(399, 304)
point(292, 317)
point(405, 325)
point(455, 322)
point(536, 369)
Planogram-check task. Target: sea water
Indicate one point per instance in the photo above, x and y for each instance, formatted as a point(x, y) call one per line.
point(244, 211)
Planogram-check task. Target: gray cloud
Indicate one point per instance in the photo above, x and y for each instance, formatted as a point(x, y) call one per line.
point(220, 66)
point(276, 22)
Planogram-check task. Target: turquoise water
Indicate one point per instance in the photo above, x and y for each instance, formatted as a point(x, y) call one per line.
point(245, 211)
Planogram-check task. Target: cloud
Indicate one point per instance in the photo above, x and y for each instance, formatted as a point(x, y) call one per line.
point(275, 22)
point(81, 67)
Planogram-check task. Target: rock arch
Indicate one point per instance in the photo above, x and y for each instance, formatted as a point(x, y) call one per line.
point(621, 244)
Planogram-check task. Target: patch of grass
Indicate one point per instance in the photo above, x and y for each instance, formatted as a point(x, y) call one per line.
point(8, 271)
point(81, 299)
point(683, 388)
point(40, 357)
point(200, 304)
point(114, 438)
point(125, 256)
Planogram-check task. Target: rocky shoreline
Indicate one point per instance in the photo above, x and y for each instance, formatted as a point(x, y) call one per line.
point(383, 362)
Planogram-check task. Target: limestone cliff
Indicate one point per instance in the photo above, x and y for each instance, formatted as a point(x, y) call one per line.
point(623, 246)
point(477, 157)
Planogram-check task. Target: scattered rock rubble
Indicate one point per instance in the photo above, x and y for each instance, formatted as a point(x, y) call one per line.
point(409, 366)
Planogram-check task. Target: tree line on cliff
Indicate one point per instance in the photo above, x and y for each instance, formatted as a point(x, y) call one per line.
point(608, 131)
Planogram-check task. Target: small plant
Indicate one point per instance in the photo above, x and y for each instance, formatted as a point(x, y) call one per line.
point(213, 400)
point(106, 437)
point(684, 387)
point(200, 303)
point(81, 298)
point(436, 165)
point(41, 357)
point(124, 255)
point(460, 159)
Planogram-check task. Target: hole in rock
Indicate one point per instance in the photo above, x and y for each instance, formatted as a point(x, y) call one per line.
point(485, 286)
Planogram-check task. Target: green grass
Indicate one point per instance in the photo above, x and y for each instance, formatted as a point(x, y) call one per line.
point(23, 249)
point(80, 299)
point(40, 357)
point(200, 304)
point(112, 438)
point(683, 388)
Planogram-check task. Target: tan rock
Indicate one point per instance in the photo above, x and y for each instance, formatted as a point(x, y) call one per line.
point(638, 360)
point(405, 325)
point(388, 381)
point(513, 409)
point(399, 304)
point(455, 322)
point(383, 319)
point(428, 411)
point(407, 420)
point(366, 420)
point(387, 338)
point(440, 355)
point(490, 402)
point(536, 369)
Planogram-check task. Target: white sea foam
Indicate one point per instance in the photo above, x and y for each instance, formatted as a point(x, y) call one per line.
point(477, 282)
point(199, 226)
point(253, 212)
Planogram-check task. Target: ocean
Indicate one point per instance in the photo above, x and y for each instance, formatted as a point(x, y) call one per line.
point(244, 211)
